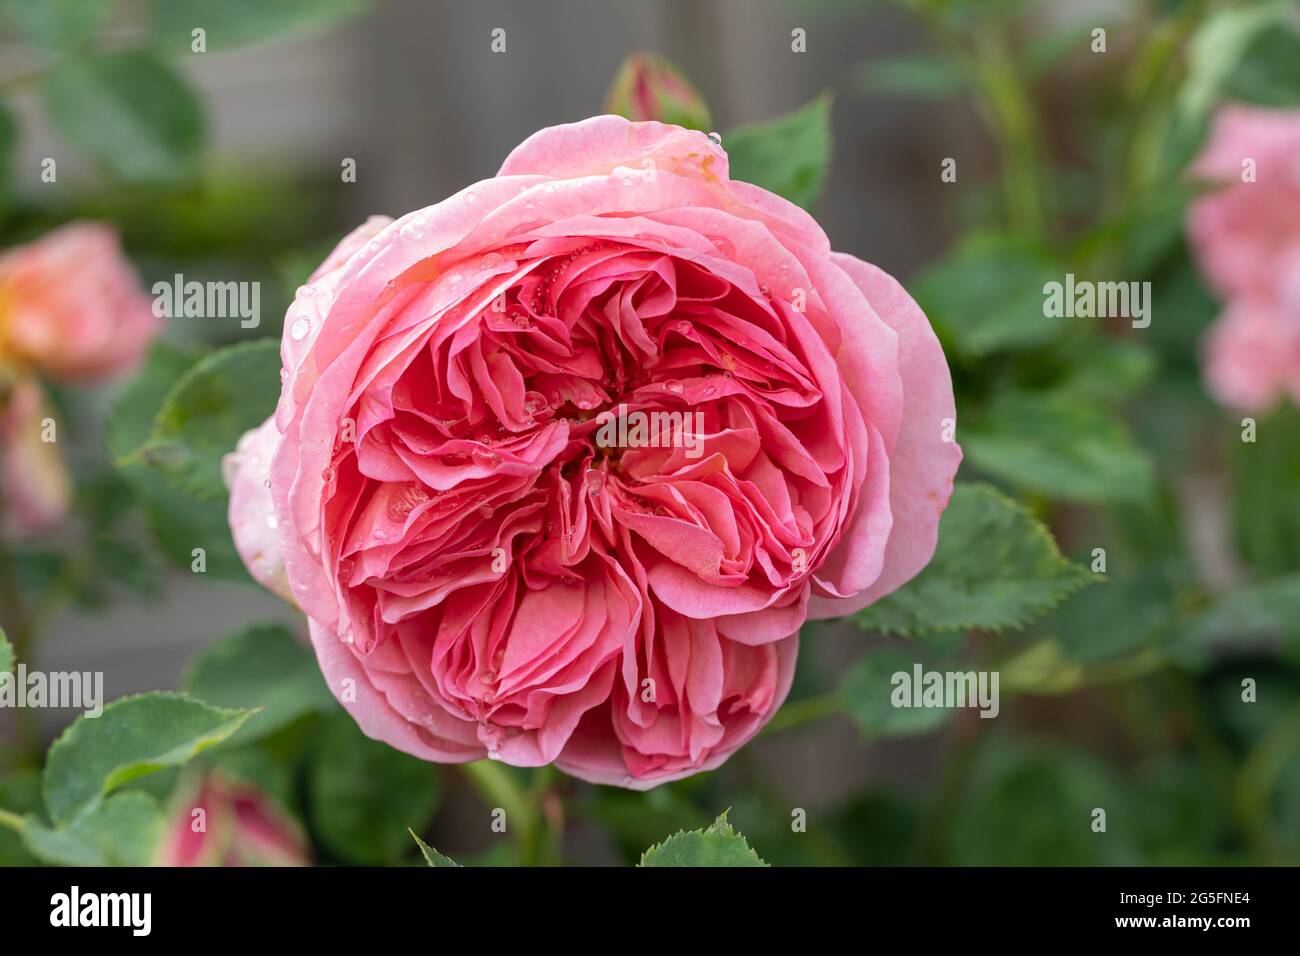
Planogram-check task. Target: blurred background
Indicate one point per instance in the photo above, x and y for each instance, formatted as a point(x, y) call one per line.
point(413, 92)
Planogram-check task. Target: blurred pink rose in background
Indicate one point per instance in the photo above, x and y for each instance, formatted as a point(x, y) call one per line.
point(72, 307)
point(483, 574)
point(1246, 236)
point(227, 822)
point(36, 486)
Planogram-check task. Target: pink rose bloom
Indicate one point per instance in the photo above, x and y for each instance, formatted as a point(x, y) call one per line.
point(36, 487)
point(224, 822)
point(1246, 236)
point(484, 575)
point(71, 305)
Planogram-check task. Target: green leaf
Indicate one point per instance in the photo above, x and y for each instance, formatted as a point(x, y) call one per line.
point(129, 111)
point(134, 736)
point(788, 155)
point(995, 567)
point(1265, 476)
point(987, 295)
point(358, 788)
point(431, 856)
point(1269, 72)
point(179, 522)
point(207, 411)
point(867, 691)
point(133, 409)
point(261, 666)
point(717, 845)
point(1267, 613)
point(232, 23)
point(1134, 609)
point(121, 831)
point(55, 23)
point(1060, 446)
point(6, 652)
point(1216, 48)
point(1109, 371)
point(922, 75)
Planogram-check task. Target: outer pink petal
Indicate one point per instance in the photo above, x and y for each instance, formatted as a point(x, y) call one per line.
point(442, 739)
point(597, 145)
point(252, 512)
point(922, 465)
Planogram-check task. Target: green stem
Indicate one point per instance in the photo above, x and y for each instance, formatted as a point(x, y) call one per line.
point(1258, 776)
point(11, 820)
point(1012, 118)
point(499, 789)
point(17, 623)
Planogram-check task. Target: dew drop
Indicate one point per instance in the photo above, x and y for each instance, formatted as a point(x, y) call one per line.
point(305, 291)
point(298, 331)
point(327, 475)
point(271, 522)
point(717, 138)
point(284, 375)
point(402, 502)
point(684, 328)
point(675, 387)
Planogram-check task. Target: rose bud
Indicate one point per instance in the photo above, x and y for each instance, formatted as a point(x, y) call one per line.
point(227, 822)
point(72, 307)
point(648, 87)
point(36, 487)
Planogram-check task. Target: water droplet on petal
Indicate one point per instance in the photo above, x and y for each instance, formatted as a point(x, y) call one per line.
point(717, 138)
point(674, 386)
point(684, 328)
point(271, 522)
point(402, 502)
point(327, 475)
point(305, 291)
point(298, 331)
